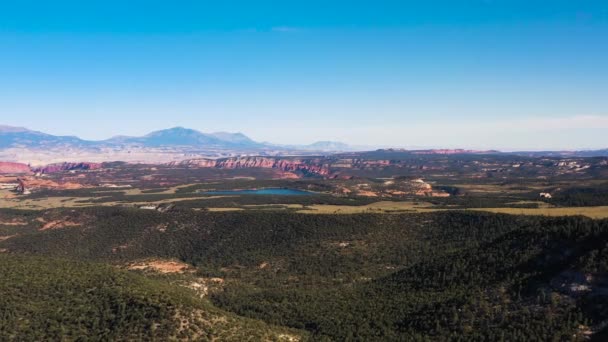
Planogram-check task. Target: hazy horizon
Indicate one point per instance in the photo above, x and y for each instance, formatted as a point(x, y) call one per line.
point(352, 146)
point(516, 75)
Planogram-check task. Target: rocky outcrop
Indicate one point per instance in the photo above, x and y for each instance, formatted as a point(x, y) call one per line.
point(60, 167)
point(27, 184)
point(304, 165)
point(195, 163)
point(14, 168)
point(21, 187)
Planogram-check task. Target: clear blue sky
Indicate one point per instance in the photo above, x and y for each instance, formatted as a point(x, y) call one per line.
point(475, 74)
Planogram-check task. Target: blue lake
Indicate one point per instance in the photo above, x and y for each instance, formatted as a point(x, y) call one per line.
point(268, 191)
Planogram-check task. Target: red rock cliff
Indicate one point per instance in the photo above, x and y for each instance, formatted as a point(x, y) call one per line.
point(59, 167)
point(8, 167)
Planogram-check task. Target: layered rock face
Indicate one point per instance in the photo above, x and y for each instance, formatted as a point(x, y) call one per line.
point(306, 165)
point(11, 168)
point(59, 167)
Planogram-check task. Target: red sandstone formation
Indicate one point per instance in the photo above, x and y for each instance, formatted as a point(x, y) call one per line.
point(18, 168)
point(59, 167)
point(286, 175)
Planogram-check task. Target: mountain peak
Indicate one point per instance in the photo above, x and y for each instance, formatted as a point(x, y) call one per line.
point(12, 129)
point(328, 146)
point(236, 138)
point(173, 130)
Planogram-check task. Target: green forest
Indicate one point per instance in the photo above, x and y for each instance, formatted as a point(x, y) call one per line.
point(50, 299)
point(435, 276)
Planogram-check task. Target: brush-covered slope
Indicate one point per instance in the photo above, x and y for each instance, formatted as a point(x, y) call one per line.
point(18, 137)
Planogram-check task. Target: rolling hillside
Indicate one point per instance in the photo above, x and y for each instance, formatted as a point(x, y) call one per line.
point(53, 299)
point(363, 277)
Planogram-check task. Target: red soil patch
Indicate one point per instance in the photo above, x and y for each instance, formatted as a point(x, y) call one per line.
point(6, 237)
point(8, 167)
point(367, 193)
point(13, 222)
point(59, 224)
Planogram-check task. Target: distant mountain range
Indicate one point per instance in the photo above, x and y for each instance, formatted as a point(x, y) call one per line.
point(22, 137)
point(185, 137)
point(193, 141)
point(176, 137)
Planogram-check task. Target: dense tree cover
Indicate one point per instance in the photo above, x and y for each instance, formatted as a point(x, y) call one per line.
point(436, 276)
point(242, 201)
point(53, 299)
point(46, 299)
point(485, 201)
point(96, 196)
point(581, 196)
point(495, 288)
